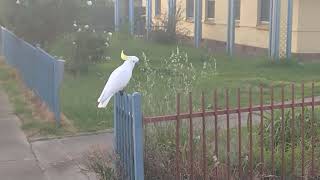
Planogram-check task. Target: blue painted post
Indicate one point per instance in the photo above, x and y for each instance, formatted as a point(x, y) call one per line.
point(116, 15)
point(125, 133)
point(231, 27)
point(131, 16)
point(198, 24)
point(137, 137)
point(58, 77)
point(148, 17)
point(275, 38)
point(270, 29)
point(115, 122)
point(1, 42)
point(289, 29)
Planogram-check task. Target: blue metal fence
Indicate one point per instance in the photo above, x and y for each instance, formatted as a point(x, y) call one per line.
point(128, 134)
point(40, 72)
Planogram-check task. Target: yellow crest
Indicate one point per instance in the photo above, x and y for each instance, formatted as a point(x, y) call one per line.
point(123, 56)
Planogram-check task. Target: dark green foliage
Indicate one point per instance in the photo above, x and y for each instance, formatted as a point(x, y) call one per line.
point(39, 21)
point(88, 47)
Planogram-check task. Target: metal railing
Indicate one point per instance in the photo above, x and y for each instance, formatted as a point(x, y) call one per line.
point(272, 138)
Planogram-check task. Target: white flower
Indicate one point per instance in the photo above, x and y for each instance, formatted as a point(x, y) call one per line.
point(79, 30)
point(18, 2)
point(107, 44)
point(89, 3)
point(75, 25)
point(86, 26)
point(74, 43)
point(94, 30)
point(110, 33)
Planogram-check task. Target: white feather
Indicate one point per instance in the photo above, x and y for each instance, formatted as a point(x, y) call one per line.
point(117, 81)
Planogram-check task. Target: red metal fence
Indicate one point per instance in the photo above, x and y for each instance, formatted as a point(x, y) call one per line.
point(286, 155)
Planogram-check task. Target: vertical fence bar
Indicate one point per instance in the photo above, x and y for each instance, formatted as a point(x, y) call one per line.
point(121, 130)
point(228, 133)
point(116, 15)
point(178, 139)
point(204, 146)
point(215, 108)
point(131, 16)
point(289, 28)
point(239, 132)
point(130, 150)
point(148, 17)
point(58, 69)
point(292, 129)
point(261, 133)
point(272, 131)
point(302, 131)
point(126, 134)
point(231, 27)
point(198, 24)
point(312, 131)
point(137, 137)
point(115, 122)
point(282, 134)
point(190, 138)
point(250, 136)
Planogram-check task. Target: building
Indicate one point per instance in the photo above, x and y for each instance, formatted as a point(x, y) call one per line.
point(252, 23)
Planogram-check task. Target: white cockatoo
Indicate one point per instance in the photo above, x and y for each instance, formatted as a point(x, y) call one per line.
point(118, 79)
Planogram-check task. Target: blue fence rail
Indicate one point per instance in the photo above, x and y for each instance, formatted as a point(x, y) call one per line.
point(40, 72)
point(128, 134)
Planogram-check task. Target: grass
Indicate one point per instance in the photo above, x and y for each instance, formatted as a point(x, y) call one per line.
point(33, 123)
point(79, 93)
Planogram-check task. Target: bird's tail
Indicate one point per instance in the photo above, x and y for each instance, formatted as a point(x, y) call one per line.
point(104, 104)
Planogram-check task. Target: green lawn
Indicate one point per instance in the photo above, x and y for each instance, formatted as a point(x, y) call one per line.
point(79, 93)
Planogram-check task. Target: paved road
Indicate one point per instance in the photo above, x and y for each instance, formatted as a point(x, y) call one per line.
point(57, 159)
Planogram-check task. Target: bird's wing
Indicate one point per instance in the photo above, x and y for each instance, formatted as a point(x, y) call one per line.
point(118, 79)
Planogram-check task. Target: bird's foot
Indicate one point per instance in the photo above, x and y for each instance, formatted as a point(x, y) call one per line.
point(121, 93)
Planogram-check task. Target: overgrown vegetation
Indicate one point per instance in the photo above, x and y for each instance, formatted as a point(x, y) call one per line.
point(36, 119)
point(160, 148)
point(105, 165)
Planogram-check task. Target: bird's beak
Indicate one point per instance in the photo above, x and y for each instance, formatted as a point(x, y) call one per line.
point(123, 56)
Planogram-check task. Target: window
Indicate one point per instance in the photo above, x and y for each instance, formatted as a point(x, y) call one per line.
point(237, 9)
point(210, 9)
point(190, 8)
point(265, 10)
point(158, 7)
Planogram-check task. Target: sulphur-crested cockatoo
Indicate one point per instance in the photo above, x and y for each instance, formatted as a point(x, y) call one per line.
point(118, 79)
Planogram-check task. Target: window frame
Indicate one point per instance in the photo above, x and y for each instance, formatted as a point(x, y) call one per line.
point(260, 20)
point(188, 9)
point(207, 10)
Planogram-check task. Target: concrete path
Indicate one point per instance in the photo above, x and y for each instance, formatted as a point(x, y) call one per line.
point(58, 159)
point(17, 161)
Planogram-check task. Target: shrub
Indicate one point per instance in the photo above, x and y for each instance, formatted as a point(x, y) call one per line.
point(89, 47)
point(104, 165)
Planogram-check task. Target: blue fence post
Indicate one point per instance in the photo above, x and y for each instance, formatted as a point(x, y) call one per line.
point(58, 77)
point(131, 16)
point(116, 15)
point(231, 28)
point(148, 17)
point(137, 137)
point(1, 42)
point(275, 30)
point(198, 24)
point(115, 122)
point(289, 29)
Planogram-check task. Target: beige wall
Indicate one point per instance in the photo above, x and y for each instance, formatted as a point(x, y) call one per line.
point(249, 31)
